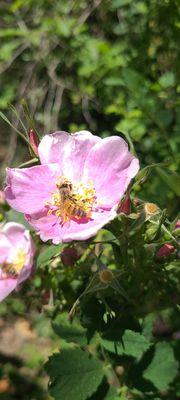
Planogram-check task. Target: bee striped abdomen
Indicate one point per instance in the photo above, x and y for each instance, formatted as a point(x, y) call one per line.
point(9, 270)
point(73, 209)
point(72, 205)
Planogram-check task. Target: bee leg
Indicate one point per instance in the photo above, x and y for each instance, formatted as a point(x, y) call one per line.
point(63, 217)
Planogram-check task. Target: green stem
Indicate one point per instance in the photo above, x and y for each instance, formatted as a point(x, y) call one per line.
point(33, 161)
point(29, 117)
point(3, 116)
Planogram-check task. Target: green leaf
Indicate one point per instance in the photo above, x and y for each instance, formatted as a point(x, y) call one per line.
point(172, 179)
point(144, 172)
point(111, 394)
point(48, 254)
point(120, 3)
point(117, 254)
point(71, 332)
point(73, 374)
point(133, 344)
point(3, 116)
point(163, 368)
point(15, 216)
point(166, 80)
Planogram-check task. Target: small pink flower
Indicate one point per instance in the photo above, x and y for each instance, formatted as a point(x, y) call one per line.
point(165, 251)
point(16, 257)
point(76, 189)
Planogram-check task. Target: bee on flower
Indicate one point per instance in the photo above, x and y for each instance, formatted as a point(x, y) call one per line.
point(77, 188)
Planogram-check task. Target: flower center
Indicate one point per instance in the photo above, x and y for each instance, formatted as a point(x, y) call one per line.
point(14, 268)
point(72, 201)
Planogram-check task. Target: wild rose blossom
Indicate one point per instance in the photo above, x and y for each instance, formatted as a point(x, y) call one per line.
point(98, 172)
point(16, 257)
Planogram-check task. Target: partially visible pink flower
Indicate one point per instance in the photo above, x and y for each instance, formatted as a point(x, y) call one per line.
point(165, 251)
point(98, 172)
point(16, 257)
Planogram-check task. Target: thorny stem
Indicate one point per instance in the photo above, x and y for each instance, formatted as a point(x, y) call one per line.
point(72, 311)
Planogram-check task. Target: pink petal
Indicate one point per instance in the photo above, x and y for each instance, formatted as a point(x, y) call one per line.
point(70, 151)
point(26, 272)
point(6, 287)
point(111, 167)
point(29, 188)
point(50, 228)
point(15, 233)
point(5, 247)
point(13, 237)
point(20, 237)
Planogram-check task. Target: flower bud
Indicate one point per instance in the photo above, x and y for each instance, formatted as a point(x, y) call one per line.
point(119, 370)
point(125, 205)
point(33, 140)
point(165, 251)
point(161, 327)
point(45, 297)
point(177, 226)
point(69, 256)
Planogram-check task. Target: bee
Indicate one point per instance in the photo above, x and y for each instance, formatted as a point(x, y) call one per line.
point(10, 270)
point(69, 203)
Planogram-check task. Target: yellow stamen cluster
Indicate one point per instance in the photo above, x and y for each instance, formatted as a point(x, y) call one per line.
point(14, 267)
point(19, 260)
point(81, 196)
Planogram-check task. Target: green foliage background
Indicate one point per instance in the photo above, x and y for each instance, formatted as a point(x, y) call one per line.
point(109, 66)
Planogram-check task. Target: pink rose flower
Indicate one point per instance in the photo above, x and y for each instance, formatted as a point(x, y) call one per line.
point(76, 189)
point(16, 257)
